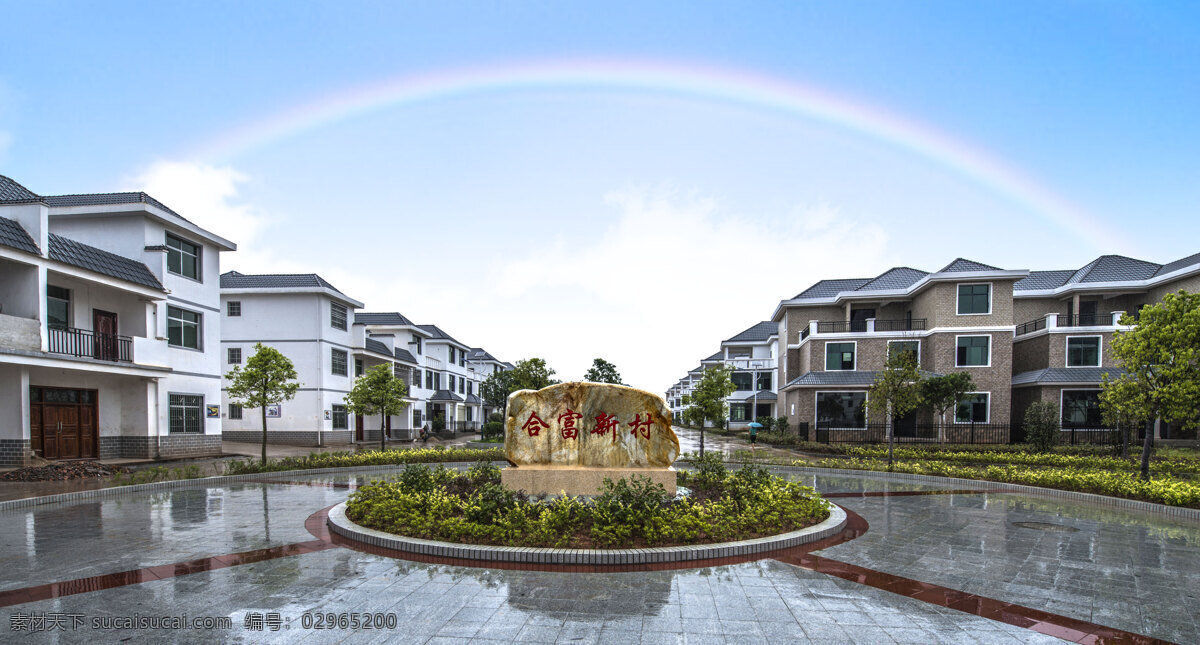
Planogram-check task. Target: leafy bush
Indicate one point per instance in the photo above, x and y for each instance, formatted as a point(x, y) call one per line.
point(438, 423)
point(781, 424)
point(493, 429)
point(1041, 425)
point(438, 504)
point(345, 459)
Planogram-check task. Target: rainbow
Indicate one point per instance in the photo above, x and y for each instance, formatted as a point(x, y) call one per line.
point(736, 87)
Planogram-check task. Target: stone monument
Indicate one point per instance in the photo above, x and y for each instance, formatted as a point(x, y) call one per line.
point(569, 438)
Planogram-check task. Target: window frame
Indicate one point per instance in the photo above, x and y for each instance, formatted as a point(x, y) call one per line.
point(888, 353)
point(339, 424)
point(230, 352)
point(958, 298)
point(334, 308)
point(233, 308)
point(770, 376)
point(817, 412)
point(989, 349)
point(66, 303)
point(1099, 350)
point(198, 255)
point(854, 361)
point(200, 412)
point(235, 411)
point(333, 367)
point(987, 417)
point(1062, 398)
point(199, 323)
point(749, 377)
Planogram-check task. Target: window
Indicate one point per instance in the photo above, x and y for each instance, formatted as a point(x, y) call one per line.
point(340, 419)
point(358, 367)
point(337, 359)
point(911, 346)
point(58, 307)
point(183, 258)
point(234, 355)
point(973, 351)
point(416, 382)
point(451, 380)
point(337, 316)
point(233, 308)
point(416, 418)
point(839, 356)
point(974, 299)
point(183, 328)
point(235, 411)
point(416, 341)
point(398, 371)
point(972, 408)
point(471, 387)
point(428, 380)
point(437, 381)
point(737, 411)
point(764, 381)
point(186, 413)
point(469, 415)
point(742, 380)
point(841, 409)
point(1083, 351)
point(1081, 409)
point(462, 385)
point(451, 362)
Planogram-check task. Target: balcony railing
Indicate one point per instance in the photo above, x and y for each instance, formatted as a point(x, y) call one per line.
point(84, 343)
point(863, 326)
point(1086, 320)
point(1054, 320)
point(743, 363)
point(1031, 326)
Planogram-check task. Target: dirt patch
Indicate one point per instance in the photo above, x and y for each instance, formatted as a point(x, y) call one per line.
point(61, 471)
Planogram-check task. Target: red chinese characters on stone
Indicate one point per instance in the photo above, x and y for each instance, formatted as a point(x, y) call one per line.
point(643, 426)
point(568, 419)
point(534, 425)
point(604, 423)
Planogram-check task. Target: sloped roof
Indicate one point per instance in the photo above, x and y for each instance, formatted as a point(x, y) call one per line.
point(378, 347)
point(474, 400)
point(13, 235)
point(405, 355)
point(235, 280)
point(762, 395)
point(1179, 264)
point(842, 377)
point(478, 354)
point(963, 264)
point(897, 278)
point(759, 332)
point(1038, 280)
point(1066, 375)
point(106, 199)
point(11, 191)
point(381, 318)
point(715, 357)
point(1115, 268)
point(828, 288)
point(445, 395)
point(81, 255)
point(438, 334)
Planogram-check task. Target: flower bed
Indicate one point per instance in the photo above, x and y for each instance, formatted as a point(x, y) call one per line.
point(365, 458)
point(473, 508)
point(1175, 465)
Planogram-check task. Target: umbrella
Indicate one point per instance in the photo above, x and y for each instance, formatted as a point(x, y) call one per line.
point(755, 424)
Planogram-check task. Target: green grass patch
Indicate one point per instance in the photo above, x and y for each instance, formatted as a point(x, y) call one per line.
point(347, 459)
point(473, 508)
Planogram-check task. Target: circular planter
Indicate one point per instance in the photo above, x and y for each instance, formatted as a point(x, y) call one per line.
point(341, 525)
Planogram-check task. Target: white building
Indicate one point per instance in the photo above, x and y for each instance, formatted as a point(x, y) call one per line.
point(752, 355)
point(309, 321)
point(109, 328)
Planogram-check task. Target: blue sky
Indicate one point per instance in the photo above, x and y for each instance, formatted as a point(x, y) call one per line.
point(614, 219)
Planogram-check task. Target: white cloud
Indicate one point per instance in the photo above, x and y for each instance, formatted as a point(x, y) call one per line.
point(204, 194)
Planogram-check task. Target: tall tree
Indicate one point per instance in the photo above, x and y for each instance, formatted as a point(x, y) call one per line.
point(1161, 357)
point(895, 392)
point(267, 378)
point(378, 391)
point(533, 374)
point(494, 389)
point(708, 398)
point(602, 371)
point(942, 394)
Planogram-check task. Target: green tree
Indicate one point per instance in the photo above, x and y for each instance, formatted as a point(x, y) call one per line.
point(602, 371)
point(1161, 357)
point(708, 399)
point(378, 391)
point(494, 389)
point(942, 393)
point(1041, 425)
point(895, 392)
point(267, 378)
point(533, 374)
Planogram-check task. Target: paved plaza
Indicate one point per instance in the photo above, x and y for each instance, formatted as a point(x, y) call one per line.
point(932, 565)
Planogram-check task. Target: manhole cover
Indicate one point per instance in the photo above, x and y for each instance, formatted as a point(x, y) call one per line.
point(1046, 526)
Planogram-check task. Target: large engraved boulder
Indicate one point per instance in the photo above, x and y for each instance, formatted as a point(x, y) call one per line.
point(569, 437)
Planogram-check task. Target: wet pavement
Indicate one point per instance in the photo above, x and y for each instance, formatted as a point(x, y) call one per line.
point(933, 565)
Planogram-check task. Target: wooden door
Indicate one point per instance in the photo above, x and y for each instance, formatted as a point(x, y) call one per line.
point(63, 423)
point(49, 415)
point(358, 427)
point(104, 326)
point(68, 432)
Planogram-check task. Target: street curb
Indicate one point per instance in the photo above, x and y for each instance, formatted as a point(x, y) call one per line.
point(338, 523)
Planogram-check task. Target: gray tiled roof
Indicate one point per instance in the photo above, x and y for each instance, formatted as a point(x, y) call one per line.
point(474, 400)
point(763, 395)
point(759, 332)
point(445, 395)
point(11, 191)
point(478, 354)
point(1066, 375)
point(842, 377)
point(1115, 268)
point(438, 333)
point(1038, 280)
point(235, 280)
point(1179, 264)
point(377, 347)
point(105, 199)
point(963, 264)
point(897, 278)
point(91, 258)
point(12, 234)
point(715, 357)
point(827, 288)
point(381, 318)
point(405, 355)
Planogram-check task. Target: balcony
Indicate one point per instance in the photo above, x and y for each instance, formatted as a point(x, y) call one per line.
point(743, 363)
point(1055, 321)
point(868, 326)
point(84, 343)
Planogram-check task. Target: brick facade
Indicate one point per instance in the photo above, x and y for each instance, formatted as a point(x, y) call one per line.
point(294, 437)
point(14, 453)
point(168, 446)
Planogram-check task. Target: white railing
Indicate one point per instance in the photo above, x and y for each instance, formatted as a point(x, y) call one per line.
point(751, 363)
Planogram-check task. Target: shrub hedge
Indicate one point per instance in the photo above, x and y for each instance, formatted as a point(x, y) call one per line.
point(347, 459)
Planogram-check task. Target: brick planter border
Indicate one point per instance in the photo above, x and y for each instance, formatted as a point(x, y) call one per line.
point(339, 524)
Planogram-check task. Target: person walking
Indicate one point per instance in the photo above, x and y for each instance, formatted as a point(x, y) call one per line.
point(753, 436)
point(425, 433)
